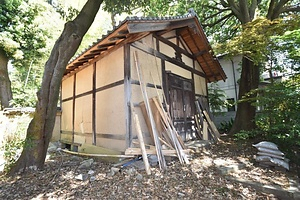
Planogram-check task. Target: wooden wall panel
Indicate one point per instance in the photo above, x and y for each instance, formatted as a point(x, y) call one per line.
point(200, 85)
point(110, 114)
point(197, 67)
point(66, 116)
point(188, 61)
point(67, 87)
point(84, 80)
point(83, 114)
point(166, 49)
point(178, 70)
point(110, 68)
point(149, 64)
point(118, 145)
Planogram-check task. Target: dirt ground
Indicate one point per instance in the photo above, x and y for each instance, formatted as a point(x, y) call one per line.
point(101, 180)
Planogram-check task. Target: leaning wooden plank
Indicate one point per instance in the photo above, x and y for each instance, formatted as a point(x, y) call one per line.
point(211, 124)
point(199, 128)
point(167, 113)
point(175, 137)
point(199, 111)
point(146, 145)
point(175, 144)
point(161, 159)
point(203, 103)
point(167, 152)
point(165, 143)
point(205, 131)
point(96, 155)
point(177, 141)
point(142, 144)
point(168, 128)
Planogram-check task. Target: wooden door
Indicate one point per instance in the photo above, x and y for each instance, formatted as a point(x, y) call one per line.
point(181, 101)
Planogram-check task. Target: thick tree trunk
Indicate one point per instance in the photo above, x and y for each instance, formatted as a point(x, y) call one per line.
point(245, 115)
point(41, 127)
point(5, 85)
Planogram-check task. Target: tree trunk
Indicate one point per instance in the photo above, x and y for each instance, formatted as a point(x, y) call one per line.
point(245, 115)
point(41, 127)
point(5, 85)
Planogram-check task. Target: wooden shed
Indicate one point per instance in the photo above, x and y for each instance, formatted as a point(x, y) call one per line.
point(101, 86)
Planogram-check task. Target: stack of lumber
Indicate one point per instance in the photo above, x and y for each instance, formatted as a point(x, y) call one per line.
point(205, 127)
point(269, 155)
point(169, 141)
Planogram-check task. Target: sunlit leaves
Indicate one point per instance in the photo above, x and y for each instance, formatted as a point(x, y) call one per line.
point(289, 44)
point(28, 29)
point(256, 39)
point(216, 98)
point(127, 6)
point(279, 117)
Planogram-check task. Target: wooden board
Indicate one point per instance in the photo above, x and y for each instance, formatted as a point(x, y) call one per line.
point(166, 152)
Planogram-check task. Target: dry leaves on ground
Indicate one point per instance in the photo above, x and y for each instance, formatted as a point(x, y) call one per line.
point(199, 180)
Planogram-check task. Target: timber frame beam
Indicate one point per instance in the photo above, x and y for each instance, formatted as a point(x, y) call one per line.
point(162, 56)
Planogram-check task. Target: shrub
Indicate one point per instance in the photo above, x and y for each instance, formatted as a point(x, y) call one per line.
point(246, 135)
point(225, 126)
point(12, 147)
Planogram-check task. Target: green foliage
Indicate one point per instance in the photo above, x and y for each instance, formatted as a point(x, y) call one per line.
point(127, 6)
point(22, 35)
point(289, 45)
point(13, 146)
point(225, 126)
point(246, 135)
point(281, 107)
point(26, 35)
point(67, 14)
point(256, 38)
point(217, 98)
point(279, 120)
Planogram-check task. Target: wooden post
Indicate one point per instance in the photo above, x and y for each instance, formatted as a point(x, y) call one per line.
point(142, 144)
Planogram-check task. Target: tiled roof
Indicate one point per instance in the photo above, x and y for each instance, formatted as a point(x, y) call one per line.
point(135, 28)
